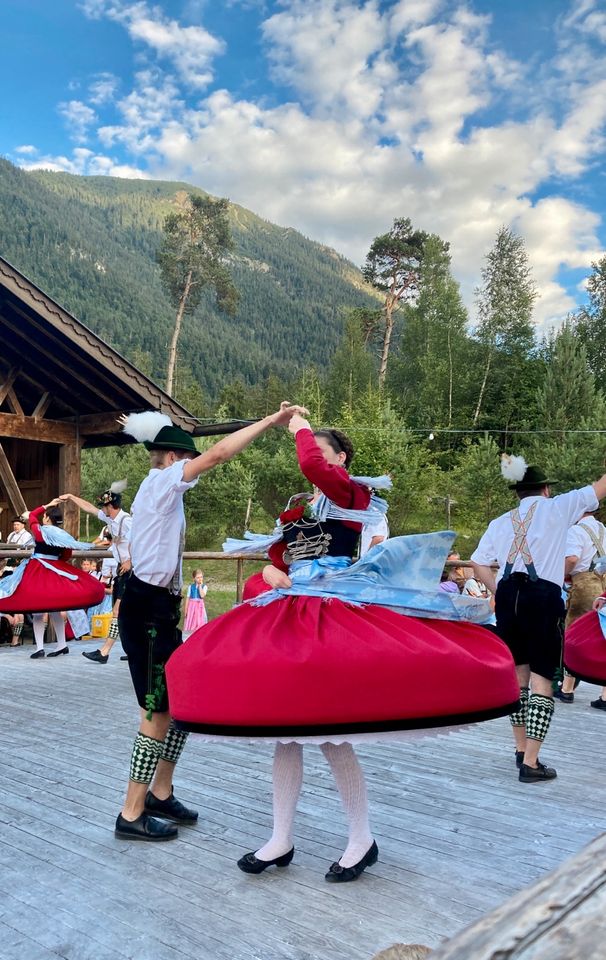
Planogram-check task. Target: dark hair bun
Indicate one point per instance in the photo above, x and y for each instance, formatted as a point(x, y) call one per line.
point(339, 442)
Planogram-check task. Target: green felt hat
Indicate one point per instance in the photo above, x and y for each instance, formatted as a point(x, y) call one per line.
point(171, 438)
point(533, 478)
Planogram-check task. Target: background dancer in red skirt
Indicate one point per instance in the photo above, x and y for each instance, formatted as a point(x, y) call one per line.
point(46, 582)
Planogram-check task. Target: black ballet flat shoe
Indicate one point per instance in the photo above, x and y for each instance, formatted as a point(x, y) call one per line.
point(144, 828)
point(339, 874)
point(57, 653)
point(37, 655)
point(251, 864)
point(169, 809)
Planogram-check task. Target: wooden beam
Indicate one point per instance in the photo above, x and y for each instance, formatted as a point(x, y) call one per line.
point(92, 423)
point(13, 402)
point(12, 375)
point(69, 482)
point(26, 428)
point(12, 487)
point(42, 406)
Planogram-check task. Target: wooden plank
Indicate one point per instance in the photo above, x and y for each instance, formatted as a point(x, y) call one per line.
point(13, 402)
point(28, 428)
point(457, 832)
point(42, 406)
point(12, 487)
point(8, 383)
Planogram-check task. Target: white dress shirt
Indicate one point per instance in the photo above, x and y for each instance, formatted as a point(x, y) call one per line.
point(158, 530)
point(119, 527)
point(546, 536)
point(579, 543)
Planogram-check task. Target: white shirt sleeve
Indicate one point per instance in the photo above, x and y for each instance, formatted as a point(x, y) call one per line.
point(574, 542)
point(577, 502)
point(170, 485)
point(485, 553)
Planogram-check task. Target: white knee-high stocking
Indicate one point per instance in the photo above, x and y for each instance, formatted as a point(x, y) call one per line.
point(59, 627)
point(39, 628)
point(351, 785)
point(287, 782)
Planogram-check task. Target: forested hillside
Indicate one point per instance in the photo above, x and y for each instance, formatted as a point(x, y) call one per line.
point(91, 244)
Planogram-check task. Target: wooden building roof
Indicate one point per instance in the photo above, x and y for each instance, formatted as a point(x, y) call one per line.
point(59, 381)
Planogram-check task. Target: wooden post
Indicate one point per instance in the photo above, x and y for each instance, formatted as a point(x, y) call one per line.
point(239, 579)
point(12, 487)
point(69, 482)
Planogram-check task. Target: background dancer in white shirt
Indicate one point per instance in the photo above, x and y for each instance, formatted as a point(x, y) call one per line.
point(119, 523)
point(529, 545)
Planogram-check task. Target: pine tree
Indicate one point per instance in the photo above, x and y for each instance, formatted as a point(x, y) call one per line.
point(505, 301)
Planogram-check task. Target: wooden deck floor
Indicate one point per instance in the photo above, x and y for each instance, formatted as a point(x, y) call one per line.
point(456, 830)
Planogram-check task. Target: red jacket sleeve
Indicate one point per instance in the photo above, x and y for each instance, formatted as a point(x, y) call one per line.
point(35, 519)
point(332, 480)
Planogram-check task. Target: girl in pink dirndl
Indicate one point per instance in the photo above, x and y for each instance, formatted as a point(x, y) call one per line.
point(195, 608)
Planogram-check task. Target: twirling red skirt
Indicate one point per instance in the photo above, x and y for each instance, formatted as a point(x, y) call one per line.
point(42, 591)
point(585, 649)
point(305, 666)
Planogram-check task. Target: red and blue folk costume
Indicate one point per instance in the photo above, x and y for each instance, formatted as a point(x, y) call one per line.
point(46, 581)
point(306, 666)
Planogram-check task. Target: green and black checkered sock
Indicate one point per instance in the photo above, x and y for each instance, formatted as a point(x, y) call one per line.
point(17, 629)
point(540, 712)
point(518, 719)
point(172, 748)
point(144, 758)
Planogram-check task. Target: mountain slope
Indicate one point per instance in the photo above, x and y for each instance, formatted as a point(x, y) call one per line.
point(90, 242)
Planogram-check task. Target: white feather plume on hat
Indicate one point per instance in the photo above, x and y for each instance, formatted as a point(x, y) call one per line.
point(513, 468)
point(145, 426)
point(118, 486)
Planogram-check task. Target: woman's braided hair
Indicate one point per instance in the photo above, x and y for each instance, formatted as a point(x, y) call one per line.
point(339, 443)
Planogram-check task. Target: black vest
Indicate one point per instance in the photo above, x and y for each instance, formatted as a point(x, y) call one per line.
point(47, 550)
point(310, 539)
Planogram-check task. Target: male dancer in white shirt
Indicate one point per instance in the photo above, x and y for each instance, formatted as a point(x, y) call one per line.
point(529, 545)
point(149, 613)
point(118, 522)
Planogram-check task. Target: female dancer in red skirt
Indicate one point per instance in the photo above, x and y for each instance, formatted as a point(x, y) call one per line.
point(585, 645)
point(308, 668)
point(46, 582)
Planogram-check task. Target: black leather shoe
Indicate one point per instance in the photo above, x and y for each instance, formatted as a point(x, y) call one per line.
point(564, 697)
point(95, 655)
point(169, 809)
point(251, 864)
point(144, 828)
point(536, 774)
point(339, 874)
point(57, 653)
point(37, 655)
point(124, 658)
point(598, 704)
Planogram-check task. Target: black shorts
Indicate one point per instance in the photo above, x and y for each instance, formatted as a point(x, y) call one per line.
point(530, 617)
point(148, 623)
point(119, 585)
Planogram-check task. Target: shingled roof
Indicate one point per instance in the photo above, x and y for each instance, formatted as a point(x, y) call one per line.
point(56, 370)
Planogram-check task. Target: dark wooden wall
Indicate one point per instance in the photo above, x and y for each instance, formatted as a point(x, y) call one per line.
point(36, 468)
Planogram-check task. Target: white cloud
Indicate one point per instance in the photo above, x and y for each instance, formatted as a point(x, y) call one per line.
point(86, 162)
point(189, 49)
point(406, 108)
point(79, 117)
point(26, 149)
point(102, 89)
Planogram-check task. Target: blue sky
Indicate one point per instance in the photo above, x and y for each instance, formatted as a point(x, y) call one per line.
point(334, 116)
